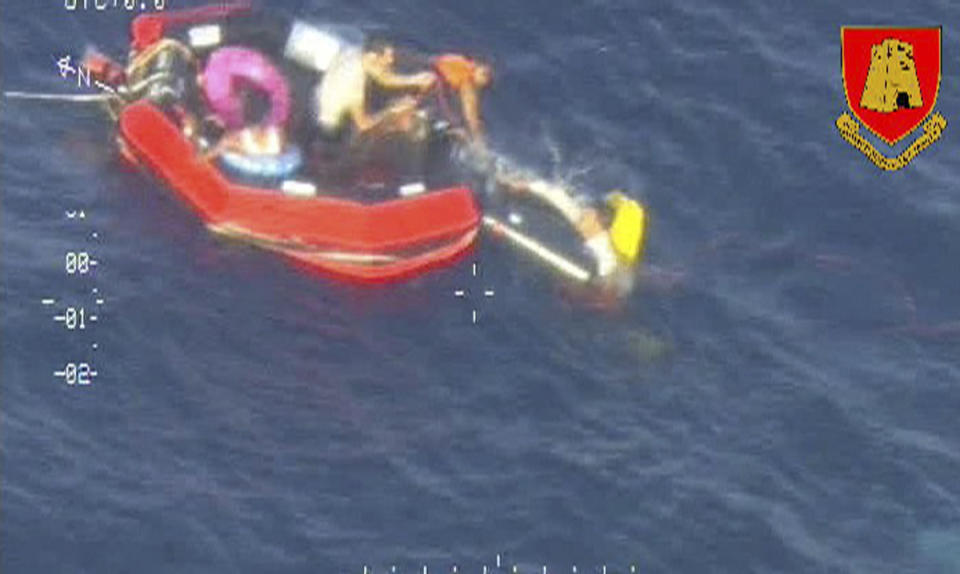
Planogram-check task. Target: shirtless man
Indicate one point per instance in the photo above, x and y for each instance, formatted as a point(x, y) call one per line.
point(341, 94)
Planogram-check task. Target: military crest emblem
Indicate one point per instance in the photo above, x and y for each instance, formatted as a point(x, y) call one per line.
point(891, 77)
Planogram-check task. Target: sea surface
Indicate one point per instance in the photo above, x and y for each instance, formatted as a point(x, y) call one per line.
point(781, 393)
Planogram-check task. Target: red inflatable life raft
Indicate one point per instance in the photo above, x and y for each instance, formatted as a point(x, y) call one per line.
point(361, 242)
point(364, 242)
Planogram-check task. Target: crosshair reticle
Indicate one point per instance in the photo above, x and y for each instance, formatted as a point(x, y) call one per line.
point(465, 294)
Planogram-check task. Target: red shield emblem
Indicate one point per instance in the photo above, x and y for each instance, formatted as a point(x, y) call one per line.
point(891, 77)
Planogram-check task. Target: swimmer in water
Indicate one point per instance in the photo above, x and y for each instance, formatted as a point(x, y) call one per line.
point(614, 248)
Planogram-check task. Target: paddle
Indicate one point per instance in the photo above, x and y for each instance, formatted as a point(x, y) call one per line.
point(534, 247)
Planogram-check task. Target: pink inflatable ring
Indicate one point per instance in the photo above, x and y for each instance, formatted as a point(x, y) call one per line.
point(225, 67)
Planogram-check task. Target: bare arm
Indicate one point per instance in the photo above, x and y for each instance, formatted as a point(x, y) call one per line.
point(394, 81)
point(367, 124)
point(360, 118)
point(227, 142)
point(471, 112)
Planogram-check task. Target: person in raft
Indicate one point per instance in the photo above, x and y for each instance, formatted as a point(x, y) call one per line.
point(466, 78)
point(341, 94)
point(229, 74)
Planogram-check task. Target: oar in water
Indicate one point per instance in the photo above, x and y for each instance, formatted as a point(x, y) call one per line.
point(534, 247)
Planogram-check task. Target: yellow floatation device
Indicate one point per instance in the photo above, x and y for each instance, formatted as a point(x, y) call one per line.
point(627, 229)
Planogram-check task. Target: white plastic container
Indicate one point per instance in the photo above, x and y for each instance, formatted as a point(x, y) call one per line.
point(412, 189)
point(298, 188)
point(205, 36)
point(312, 47)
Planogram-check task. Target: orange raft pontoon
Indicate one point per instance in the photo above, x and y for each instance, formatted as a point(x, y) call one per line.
point(368, 243)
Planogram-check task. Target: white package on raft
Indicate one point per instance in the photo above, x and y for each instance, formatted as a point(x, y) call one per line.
point(311, 46)
point(205, 36)
point(298, 188)
point(409, 189)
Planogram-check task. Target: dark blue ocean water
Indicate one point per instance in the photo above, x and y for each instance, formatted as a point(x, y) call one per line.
point(781, 394)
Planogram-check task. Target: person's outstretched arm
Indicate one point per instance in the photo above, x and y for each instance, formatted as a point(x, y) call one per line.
point(394, 81)
point(471, 112)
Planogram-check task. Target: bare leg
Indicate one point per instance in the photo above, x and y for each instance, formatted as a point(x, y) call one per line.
point(397, 117)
